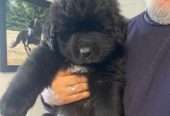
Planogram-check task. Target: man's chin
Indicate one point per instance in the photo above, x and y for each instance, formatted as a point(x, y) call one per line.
point(159, 10)
point(159, 15)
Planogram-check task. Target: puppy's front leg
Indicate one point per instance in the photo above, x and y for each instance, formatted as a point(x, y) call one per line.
point(110, 102)
point(29, 81)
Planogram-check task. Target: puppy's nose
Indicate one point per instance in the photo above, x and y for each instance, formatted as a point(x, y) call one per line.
point(85, 52)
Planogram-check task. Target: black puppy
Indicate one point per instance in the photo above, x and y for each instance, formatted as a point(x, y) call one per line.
point(88, 37)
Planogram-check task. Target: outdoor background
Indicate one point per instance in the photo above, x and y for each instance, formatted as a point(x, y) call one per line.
point(130, 8)
point(20, 15)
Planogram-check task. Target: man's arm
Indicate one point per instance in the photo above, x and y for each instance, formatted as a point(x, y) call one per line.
point(28, 82)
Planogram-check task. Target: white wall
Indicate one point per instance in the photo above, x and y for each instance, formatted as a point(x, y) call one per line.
point(131, 8)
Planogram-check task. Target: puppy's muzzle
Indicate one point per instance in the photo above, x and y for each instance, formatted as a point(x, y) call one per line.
point(78, 69)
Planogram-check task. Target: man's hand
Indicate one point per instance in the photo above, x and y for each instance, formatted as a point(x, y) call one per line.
point(68, 87)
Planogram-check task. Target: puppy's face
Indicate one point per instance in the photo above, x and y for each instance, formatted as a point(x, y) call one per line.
point(86, 47)
point(83, 30)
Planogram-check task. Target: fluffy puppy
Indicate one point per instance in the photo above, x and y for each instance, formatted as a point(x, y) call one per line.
point(86, 36)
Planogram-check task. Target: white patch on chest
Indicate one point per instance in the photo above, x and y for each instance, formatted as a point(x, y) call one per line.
point(78, 69)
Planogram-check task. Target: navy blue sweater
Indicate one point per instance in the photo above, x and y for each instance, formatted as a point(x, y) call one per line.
point(147, 91)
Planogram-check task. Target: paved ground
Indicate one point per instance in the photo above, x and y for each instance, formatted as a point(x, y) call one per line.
point(4, 82)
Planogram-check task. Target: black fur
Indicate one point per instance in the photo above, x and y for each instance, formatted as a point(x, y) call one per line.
point(88, 33)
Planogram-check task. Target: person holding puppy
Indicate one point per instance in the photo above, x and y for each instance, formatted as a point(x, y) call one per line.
point(147, 72)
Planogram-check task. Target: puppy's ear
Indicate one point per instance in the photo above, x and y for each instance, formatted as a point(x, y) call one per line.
point(120, 31)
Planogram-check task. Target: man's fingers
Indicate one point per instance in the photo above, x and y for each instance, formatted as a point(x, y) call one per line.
point(72, 90)
point(75, 98)
point(66, 75)
point(78, 88)
point(79, 96)
point(70, 80)
point(69, 87)
point(74, 79)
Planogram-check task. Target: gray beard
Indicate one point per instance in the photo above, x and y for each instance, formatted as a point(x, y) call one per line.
point(159, 15)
